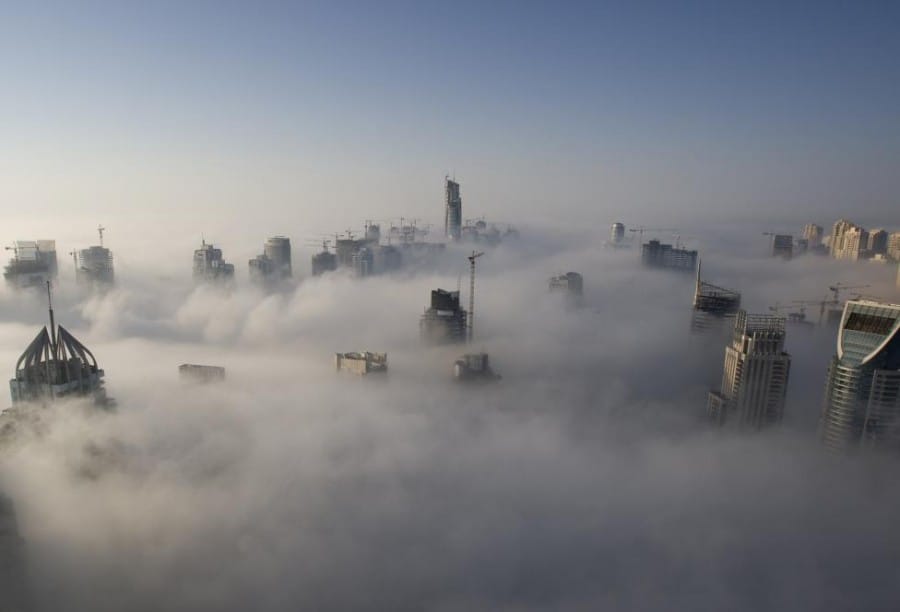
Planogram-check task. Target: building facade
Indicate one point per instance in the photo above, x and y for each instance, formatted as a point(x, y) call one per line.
point(755, 374)
point(654, 254)
point(444, 320)
point(862, 389)
point(812, 233)
point(452, 210)
point(210, 266)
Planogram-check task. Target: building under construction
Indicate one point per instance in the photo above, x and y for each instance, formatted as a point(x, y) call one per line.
point(655, 254)
point(362, 364)
point(33, 264)
point(94, 266)
point(54, 365)
point(714, 306)
point(210, 266)
point(452, 210)
point(323, 262)
point(444, 320)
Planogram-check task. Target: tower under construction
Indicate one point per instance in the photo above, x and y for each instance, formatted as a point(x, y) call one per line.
point(444, 320)
point(33, 264)
point(714, 306)
point(94, 265)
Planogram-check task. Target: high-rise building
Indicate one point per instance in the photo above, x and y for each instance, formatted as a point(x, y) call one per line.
point(755, 376)
point(444, 320)
point(617, 234)
point(853, 244)
point(278, 250)
point(654, 254)
point(878, 241)
point(324, 262)
point(363, 262)
point(714, 307)
point(33, 264)
point(813, 235)
point(56, 364)
point(862, 391)
point(95, 267)
point(783, 246)
point(209, 266)
point(893, 246)
point(13, 571)
point(261, 270)
point(452, 210)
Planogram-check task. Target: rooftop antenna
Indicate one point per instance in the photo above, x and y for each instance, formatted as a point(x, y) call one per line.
point(100, 230)
point(472, 259)
point(74, 255)
point(53, 346)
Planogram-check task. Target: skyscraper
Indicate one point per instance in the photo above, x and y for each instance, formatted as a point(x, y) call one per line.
point(755, 376)
point(444, 321)
point(854, 244)
point(813, 235)
point(210, 266)
point(453, 210)
point(617, 233)
point(783, 246)
point(878, 241)
point(278, 250)
point(862, 391)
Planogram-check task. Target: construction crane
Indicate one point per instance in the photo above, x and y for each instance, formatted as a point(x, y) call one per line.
point(100, 230)
point(472, 258)
point(641, 229)
point(838, 287)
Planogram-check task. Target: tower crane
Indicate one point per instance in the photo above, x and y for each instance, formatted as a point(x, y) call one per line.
point(641, 229)
point(475, 255)
point(838, 287)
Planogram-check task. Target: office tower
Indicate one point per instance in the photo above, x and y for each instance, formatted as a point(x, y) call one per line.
point(893, 246)
point(755, 374)
point(261, 270)
point(278, 250)
point(56, 364)
point(570, 284)
point(657, 255)
point(444, 321)
point(32, 265)
point(878, 241)
point(783, 246)
point(452, 210)
point(714, 306)
point(617, 233)
point(812, 233)
point(862, 390)
point(209, 266)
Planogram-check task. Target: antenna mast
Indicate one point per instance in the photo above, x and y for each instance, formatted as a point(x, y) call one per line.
point(52, 322)
point(100, 230)
point(472, 259)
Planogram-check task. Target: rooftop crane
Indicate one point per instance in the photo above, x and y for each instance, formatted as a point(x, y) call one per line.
point(838, 287)
point(641, 229)
point(475, 255)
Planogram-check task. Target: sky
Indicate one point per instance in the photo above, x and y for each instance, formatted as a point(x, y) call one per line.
point(315, 116)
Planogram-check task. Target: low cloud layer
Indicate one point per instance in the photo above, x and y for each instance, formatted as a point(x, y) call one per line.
point(584, 480)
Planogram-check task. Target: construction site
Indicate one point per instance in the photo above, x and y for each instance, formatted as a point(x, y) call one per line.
point(33, 264)
point(94, 265)
point(361, 364)
point(714, 307)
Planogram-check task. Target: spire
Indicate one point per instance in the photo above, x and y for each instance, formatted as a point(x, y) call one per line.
point(53, 345)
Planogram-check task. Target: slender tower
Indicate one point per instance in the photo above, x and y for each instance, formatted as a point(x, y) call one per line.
point(472, 259)
point(452, 210)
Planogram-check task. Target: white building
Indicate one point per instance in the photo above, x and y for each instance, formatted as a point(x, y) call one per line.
point(755, 376)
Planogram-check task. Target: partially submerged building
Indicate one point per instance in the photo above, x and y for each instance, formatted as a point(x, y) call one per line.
point(570, 283)
point(94, 266)
point(210, 266)
point(54, 365)
point(361, 363)
point(655, 254)
point(14, 583)
point(755, 374)
point(452, 210)
point(323, 262)
point(33, 264)
point(473, 367)
point(862, 390)
point(444, 320)
point(714, 306)
point(195, 373)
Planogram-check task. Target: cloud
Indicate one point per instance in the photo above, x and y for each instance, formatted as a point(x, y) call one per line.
point(584, 480)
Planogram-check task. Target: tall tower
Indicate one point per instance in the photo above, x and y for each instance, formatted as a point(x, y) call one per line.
point(278, 249)
point(755, 377)
point(452, 210)
point(862, 391)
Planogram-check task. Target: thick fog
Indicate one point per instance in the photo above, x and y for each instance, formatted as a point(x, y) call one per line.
point(585, 479)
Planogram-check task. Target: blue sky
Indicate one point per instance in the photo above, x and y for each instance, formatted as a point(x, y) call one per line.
point(594, 110)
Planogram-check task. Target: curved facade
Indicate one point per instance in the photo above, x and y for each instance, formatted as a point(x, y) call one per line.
point(862, 391)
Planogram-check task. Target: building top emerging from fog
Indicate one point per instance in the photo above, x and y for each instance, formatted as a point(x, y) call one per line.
point(210, 266)
point(712, 305)
point(452, 210)
point(655, 254)
point(33, 264)
point(56, 364)
point(862, 391)
point(444, 320)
